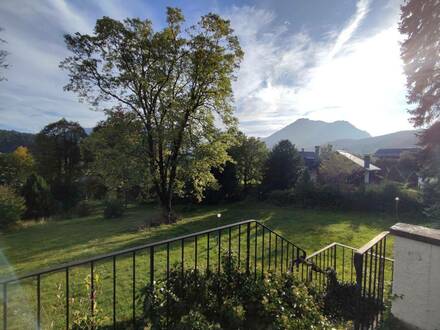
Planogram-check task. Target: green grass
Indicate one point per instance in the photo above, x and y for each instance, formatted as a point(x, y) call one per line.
point(39, 245)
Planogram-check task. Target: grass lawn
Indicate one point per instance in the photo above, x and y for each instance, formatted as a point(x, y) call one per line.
point(39, 245)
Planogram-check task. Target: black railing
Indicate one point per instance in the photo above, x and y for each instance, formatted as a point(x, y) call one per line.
point(103, 290)
point(368, 269)
point(374, 274)
point(335, 256)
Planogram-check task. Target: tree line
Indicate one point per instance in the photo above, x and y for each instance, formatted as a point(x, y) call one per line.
point(65, 167)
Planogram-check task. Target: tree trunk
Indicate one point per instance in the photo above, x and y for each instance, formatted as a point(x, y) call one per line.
point(165, 199)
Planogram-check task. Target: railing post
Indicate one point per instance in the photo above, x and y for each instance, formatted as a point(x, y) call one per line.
point(358, 266)
point(248, 246)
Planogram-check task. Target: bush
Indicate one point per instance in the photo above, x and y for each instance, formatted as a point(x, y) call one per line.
point(83, 209)
point(280, 197)
point(372, 198)
point(39, 201)
point(113, 208)
point(231, 299)
point(12, 206)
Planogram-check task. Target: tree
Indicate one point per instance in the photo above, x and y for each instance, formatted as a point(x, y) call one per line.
point(39, 201)
point(11, 206)
point(15, 167)
point(420, 22)
point(282, 167)
point(58, 158)
point(114, 153)
point(249, 155)
point(335, 169)
point(3, 55)
point(409, 163)
point(430, 158)
point(175, 80)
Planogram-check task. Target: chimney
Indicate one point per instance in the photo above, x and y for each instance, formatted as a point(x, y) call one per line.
point(367, 160)
point(367, 167)
point(302, 149)
point(317, 153)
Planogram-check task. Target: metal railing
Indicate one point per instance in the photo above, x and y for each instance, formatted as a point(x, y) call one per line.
point(105, 288)
point(374, 274)
point(335, 256)
point(367, 268)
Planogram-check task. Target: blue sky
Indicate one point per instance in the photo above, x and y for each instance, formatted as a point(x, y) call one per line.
point(321, 59)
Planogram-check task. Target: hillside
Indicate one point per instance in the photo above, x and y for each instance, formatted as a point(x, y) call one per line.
point(306, 133)
point(401, 139)
point(10, 140)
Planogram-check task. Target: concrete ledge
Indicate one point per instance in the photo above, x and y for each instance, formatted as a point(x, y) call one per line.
point(417, 233)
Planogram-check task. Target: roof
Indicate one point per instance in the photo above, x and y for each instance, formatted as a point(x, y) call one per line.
point(358, 161)
point(308, 154)
point(392, 152)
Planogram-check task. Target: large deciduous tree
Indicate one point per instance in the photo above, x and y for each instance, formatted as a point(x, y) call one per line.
point(177, 81)
point(58, 158)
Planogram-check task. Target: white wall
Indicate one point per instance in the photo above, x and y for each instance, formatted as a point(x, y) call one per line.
point(416, 283)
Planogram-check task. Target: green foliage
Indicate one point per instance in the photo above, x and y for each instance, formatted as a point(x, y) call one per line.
point(341, 301)
point(115, 153)
point(419, 52)
point(15, 167)
point(58, 157)
point(175, 81)
point(282, 167)
point(228, 188)
point(39, 200)
point(430, 139)
point(249, 155)
point(113, 208)
point(11, 206)
point(83, 209)
point(373, 198)
point(335, 169)
point(231, 299)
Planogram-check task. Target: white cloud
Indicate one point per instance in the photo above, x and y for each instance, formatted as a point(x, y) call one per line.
point(33, 96)
point(284, 77)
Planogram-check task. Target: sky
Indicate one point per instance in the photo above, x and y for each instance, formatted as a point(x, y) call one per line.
point(318, 59)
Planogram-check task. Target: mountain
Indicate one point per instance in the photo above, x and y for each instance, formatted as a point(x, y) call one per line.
point(402, 139)
point(306, 133)
point(10, 140)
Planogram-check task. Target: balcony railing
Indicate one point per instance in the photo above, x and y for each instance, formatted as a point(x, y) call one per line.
point(107, 286)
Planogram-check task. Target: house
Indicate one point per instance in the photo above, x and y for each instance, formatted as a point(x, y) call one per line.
point(369, 170)
point(392, 153)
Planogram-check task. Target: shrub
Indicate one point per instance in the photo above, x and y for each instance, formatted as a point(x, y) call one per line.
point(374, 197)
point(83, 209)
point(113, 208)
point(12, 206)
point(280, 197)
point(39, 201)
point(231, 299)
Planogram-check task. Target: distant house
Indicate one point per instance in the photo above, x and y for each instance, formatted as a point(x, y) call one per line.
point(311, 161)
point(392, 153)
point(369, 170)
